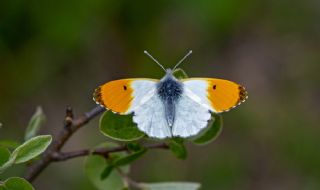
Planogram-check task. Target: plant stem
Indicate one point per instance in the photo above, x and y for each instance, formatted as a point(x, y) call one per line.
point(71, 125)
point(63, 156)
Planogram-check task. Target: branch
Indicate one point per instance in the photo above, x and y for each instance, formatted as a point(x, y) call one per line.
point(71, 125)
point(63, 156)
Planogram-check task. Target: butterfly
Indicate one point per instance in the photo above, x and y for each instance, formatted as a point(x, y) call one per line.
point(170, 107)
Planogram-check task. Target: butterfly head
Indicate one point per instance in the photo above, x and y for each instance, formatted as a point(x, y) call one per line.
point(169, 75)
point(169, 72)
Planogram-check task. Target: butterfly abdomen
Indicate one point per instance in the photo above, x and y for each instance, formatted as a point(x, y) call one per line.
point(169, 90)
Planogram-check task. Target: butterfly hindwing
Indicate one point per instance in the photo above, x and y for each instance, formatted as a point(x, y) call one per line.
point(150, 118)
point(217, 95)
point(191, 117)
point(123, 96)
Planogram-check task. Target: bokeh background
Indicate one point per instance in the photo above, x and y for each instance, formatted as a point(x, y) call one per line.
point(54, 53)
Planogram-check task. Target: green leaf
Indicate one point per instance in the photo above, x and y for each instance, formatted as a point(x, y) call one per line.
point(177, 148)
point(5, 161)
point(106, 172)
point(31, 148)
point(4, 155)
point(119, 127)
point(8, 163)
point(128, 159)
point(35, 123)
point(210, 133)
point(171, 186)
point(11, 144)
point(96, 165)
point(180, 74)
point(16, 183)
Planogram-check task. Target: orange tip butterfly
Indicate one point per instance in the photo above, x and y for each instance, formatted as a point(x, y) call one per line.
point(170, 107)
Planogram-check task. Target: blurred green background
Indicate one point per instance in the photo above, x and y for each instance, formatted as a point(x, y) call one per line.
point(55, 53)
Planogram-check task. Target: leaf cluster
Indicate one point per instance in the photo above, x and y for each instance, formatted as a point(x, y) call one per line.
point(12, 152)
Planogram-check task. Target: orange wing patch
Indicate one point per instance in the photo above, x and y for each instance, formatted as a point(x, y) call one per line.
point(115, 95)
point(225, 95)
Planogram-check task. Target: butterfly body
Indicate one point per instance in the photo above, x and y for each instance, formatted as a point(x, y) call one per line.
point(170, 107)
point(169, 90)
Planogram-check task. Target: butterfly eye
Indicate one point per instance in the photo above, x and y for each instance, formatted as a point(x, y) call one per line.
point(124, 87)
point(214, 87)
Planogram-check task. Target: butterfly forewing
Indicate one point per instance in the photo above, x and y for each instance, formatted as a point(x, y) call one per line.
point(217, 94)
point(123, 96)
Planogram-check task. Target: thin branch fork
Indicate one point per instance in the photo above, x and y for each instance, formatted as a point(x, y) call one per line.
point(71, 125)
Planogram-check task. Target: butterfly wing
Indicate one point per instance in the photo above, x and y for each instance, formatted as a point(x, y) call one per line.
point(125, 95)
point(150, 118)
point(202, 96)
point(191, 117)
point(217, 95)
point(136, 96)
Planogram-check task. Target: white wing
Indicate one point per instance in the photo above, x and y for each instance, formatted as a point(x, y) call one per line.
point(197, 90)
point(191, 117)
point(143, 90)
point(150, 118)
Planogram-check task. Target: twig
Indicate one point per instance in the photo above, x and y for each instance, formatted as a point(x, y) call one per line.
point(70, 127)
point(63, 156)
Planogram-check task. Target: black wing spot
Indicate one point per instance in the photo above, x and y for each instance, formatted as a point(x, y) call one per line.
point(214, 87)
point(124, 87)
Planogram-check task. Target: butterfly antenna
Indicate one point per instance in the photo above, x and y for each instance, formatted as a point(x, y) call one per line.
point(156, 61)
point(187, 55)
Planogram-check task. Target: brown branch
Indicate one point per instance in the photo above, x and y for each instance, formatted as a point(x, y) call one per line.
point(71, 125)
point(63, 156)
